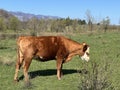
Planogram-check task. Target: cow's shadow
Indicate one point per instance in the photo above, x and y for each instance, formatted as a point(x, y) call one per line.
point(48, 72)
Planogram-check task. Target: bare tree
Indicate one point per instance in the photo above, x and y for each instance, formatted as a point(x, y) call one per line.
point(90, 19)
point(119, 25)
point(106, 23)
point(14, 24)
point(33, 24)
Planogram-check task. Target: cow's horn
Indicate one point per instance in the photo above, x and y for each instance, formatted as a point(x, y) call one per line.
point(84, 43)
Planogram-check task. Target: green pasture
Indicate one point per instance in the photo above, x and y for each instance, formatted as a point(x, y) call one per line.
point(103, 68)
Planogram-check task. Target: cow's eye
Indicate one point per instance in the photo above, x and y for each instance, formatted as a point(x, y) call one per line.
point(87, 53)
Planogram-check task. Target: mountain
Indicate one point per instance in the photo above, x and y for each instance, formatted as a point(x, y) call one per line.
point(5, 14)
point(21, 16)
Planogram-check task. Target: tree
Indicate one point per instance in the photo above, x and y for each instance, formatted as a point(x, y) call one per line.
point(105, 22)
point(119, 25)
point(68, 21)
point(24, 22)
point(43, 25)
point(81, 22)
point(14, 23)
point(90, 19)
point(2, 24)
point(33, 25)
point(58, 25)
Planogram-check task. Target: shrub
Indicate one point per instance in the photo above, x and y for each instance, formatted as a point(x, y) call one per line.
point(96, 78)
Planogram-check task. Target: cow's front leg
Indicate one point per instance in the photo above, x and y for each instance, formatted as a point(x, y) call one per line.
point(59, 69)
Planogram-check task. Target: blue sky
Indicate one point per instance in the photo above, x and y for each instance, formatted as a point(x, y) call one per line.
point(63, 8)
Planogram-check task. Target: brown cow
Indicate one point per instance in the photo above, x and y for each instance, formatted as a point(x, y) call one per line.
point(47, 48)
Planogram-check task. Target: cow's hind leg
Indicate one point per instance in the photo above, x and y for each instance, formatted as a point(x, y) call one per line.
point(27, 62)
point(59, 69)
point(18, 65)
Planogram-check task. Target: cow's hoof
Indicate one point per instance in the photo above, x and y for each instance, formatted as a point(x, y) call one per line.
point(59, 78)
point(15, 81)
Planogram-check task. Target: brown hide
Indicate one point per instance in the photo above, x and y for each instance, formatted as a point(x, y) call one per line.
point(45, 48)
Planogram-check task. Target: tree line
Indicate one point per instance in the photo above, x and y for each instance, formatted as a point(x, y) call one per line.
point(35, 25)
point(53, 25)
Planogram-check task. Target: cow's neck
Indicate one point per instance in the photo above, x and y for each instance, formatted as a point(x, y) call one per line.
point(76, 50)
point(74, 46)
point(72, 53)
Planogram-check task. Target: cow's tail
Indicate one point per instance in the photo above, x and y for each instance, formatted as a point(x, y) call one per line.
point(19, 54)
point(18, 62)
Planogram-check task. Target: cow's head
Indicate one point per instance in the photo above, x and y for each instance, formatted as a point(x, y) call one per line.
point(85, 56)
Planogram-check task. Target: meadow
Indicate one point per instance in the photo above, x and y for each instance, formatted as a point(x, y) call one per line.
point(102, 72)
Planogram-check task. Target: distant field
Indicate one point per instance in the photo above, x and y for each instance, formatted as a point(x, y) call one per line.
point(105, 58)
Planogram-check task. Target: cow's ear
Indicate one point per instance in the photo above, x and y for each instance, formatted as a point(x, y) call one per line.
point(85, 47)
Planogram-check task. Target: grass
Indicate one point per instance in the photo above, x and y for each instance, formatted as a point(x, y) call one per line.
point(105, 52)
